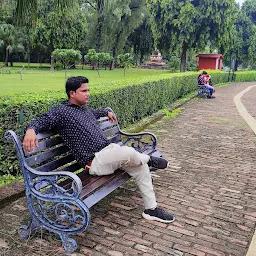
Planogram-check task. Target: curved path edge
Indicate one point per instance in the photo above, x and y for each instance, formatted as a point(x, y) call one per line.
point(252, 123)
point(242, 110)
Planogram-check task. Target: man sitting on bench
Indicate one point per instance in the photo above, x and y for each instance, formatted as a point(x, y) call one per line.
point(201, 81)
point(78, 127)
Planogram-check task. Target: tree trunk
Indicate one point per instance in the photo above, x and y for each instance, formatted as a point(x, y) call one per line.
point(28, 45)
point(52, 64)
point(6, 57)
point(141, 58)
point(183, 58)
point(113, 62)
point(236, 64)
point(99, 25)
point(115, 50)
point(83, 60)
point(39, 60)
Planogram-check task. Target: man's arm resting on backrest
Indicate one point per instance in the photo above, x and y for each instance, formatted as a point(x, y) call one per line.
point(43, 123)
point(103, 112)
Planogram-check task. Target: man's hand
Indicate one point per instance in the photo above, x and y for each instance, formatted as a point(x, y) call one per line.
point(30, 141)
point(111, 117)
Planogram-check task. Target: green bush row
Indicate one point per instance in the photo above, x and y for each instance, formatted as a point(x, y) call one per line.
point(131, 102)
point(245, 76)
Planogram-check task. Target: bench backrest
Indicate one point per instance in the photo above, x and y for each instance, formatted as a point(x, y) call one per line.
point(52, 154)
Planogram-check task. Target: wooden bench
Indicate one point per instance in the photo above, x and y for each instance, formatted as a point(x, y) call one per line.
point(59, 192)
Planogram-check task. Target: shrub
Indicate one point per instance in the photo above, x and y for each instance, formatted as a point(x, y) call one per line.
point(245, 76)
point(58, 65)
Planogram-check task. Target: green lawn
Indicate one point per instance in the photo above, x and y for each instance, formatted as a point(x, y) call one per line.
point(36, 80)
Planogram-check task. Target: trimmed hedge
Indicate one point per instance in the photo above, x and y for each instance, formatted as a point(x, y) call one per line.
point(245, 76)
point(131, 102)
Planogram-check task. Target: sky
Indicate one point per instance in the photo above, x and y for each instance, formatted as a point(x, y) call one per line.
point(240, 1)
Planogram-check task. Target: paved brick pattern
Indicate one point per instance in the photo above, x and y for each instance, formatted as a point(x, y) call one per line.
point(210, 187)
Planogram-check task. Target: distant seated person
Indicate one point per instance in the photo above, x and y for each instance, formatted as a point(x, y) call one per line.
point(204, 80)
point(208, 79)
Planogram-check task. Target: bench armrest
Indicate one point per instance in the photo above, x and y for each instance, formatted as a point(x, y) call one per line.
point(140, 141)
point(54, 184)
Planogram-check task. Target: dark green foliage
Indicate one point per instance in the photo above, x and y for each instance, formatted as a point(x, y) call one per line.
point(181, 26)
point(131, 103)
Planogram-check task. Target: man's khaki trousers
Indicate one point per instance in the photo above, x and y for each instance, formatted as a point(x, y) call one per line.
point(128, 159)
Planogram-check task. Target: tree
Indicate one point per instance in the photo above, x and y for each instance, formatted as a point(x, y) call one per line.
point(124, 61)
point(252, 48)
point(241, 47)
point(190, 24)
point(67, 56)
point(240, 41)
point(141, 41)
point(10, 40)
point(6, 11)
point(62, 30)
point(29, 8)
point(99, 12)
point(130, 18)
point(104, 59)
point(249, 8)
point(109, 29)
point(107, 59)
point(249, 12)
point(92, 58)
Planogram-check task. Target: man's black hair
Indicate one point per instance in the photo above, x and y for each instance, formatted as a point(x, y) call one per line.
point(74, 82)
point(204, 73)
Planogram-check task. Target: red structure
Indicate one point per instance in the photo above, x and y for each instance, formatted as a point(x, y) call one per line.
point(209, 61)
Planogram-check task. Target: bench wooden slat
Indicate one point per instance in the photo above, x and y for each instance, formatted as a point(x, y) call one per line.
point(67, 182)
point(71, 168)
point(44, 135)
point(45, 144)
point(89, 183)
point(117, 180)
point(103, 118)
point(37, 159)
point(56, 163)
point(95, 182)
point(106, 124)
point(112, 131)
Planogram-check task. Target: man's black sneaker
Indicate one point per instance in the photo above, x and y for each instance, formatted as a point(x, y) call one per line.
point(210, 97)
point(158, 215)
point(157, 162)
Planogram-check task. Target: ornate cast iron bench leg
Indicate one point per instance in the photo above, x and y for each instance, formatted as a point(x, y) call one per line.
point(64, 217)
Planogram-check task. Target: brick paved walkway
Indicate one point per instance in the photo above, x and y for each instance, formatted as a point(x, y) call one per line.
point(210, 186)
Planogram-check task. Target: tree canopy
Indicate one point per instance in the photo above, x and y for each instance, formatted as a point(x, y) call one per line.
point(178, 28)
point(183, 25)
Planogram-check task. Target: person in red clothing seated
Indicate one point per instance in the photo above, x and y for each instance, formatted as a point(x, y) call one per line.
point(202, 81)
point(208, 80)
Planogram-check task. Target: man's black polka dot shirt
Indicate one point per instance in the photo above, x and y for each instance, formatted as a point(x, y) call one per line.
point(77, 126)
